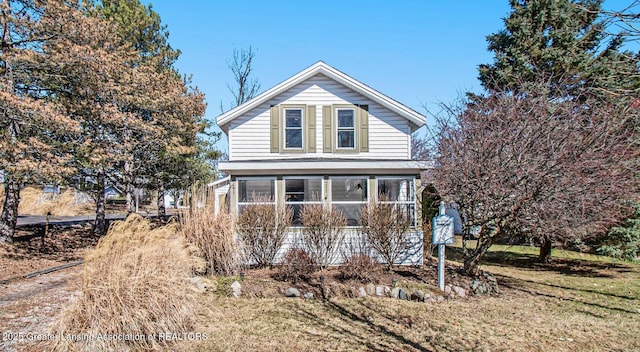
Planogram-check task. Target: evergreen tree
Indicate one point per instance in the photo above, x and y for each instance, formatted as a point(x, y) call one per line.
point(558, 41)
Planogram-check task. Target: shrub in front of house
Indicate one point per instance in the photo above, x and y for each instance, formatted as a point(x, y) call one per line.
point(262, 227)
point(360, 267)
point(297, 265)
point(385, 227)
point(323, 232)
point(213, 238)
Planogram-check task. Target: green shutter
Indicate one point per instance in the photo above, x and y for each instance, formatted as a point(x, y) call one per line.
point(326, 129)
point(364, 127)
point(275, 129)
point(311, 132)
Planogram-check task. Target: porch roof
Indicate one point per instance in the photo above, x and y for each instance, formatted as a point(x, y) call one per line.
point(324, 166)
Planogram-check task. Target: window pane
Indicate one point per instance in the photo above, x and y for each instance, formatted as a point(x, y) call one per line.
point(345, 118)
point(349, 189)
point(351, 212)
point(396, 189)
point(255, 190)
point(293, 138)
point(345, 139)
point(293, 118)
point(303, 190)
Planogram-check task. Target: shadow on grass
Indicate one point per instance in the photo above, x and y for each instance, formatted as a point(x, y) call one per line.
point(365, 331)
point(573, 267)
point(520, 285)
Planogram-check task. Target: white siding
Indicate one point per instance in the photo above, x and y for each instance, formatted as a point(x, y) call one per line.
point(389, 134)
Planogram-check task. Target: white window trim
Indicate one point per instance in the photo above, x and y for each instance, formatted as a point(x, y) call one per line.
point(302, 127)
point(405, 202)
point(355, 140)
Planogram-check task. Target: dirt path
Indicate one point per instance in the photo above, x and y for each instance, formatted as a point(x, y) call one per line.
point(28, 306)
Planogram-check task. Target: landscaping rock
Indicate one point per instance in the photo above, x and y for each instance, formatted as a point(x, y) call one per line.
point(371, 289)
point(395, 293)
point(362, 292)
point(309, 295)
point(236, 289)
point(380, 291)
point(427, 298)
point(418, 296)
point(292, 292)
point(439, 298)
point(403, 294)
point(447, 289)
point(461, 292)
point(199, 284)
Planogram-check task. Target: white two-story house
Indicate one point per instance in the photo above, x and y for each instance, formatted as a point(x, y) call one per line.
point(322, 137)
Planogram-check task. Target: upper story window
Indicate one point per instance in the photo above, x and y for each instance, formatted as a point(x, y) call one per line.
point(293, 128)
point(346, 129)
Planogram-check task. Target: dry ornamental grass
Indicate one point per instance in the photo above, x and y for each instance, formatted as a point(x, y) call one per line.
point(135, 284)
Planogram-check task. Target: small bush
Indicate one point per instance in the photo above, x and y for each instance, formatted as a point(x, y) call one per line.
point(213, 236)
point(262, 228)
point(323, 232)
point(360, 267)
point(296, 265)
point(385, 227)
point(135, 282)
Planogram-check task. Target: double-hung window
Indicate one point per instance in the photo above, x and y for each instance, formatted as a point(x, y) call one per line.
point(300, 192)
point(348, 195)
point(293, 131)
point(255, 190)
point(346, 128)
point(400, 192)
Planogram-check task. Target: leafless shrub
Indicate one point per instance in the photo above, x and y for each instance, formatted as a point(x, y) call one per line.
point(263, 227)
point(296, 265)
point(360, 267)
point(386, 229)
point(213, 236)
point(135, 283)
point(323, 232)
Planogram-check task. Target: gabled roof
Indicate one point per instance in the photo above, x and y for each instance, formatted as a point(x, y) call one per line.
point(324, 69)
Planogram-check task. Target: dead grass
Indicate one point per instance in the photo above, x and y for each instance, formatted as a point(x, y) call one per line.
point(135, 283)
point(67, 203)
point(214, 238)
point(572, 305)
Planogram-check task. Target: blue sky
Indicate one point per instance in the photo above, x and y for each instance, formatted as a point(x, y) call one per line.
point(418, 52)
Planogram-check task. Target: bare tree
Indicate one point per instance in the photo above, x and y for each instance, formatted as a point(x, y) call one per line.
point(241, 65)
point(552, 169)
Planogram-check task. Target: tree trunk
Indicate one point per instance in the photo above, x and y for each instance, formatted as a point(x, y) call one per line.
point(100, 226)
point(129, 187)
point(472, 258)
point(162, 211)
point(545, 250)
point(9, 217)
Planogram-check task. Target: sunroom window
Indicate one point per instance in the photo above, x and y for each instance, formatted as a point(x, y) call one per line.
point(399, 191)
point(255, 190)
point(293, 128)
point(346, 128)
point(348, 195)
point(300, 192)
